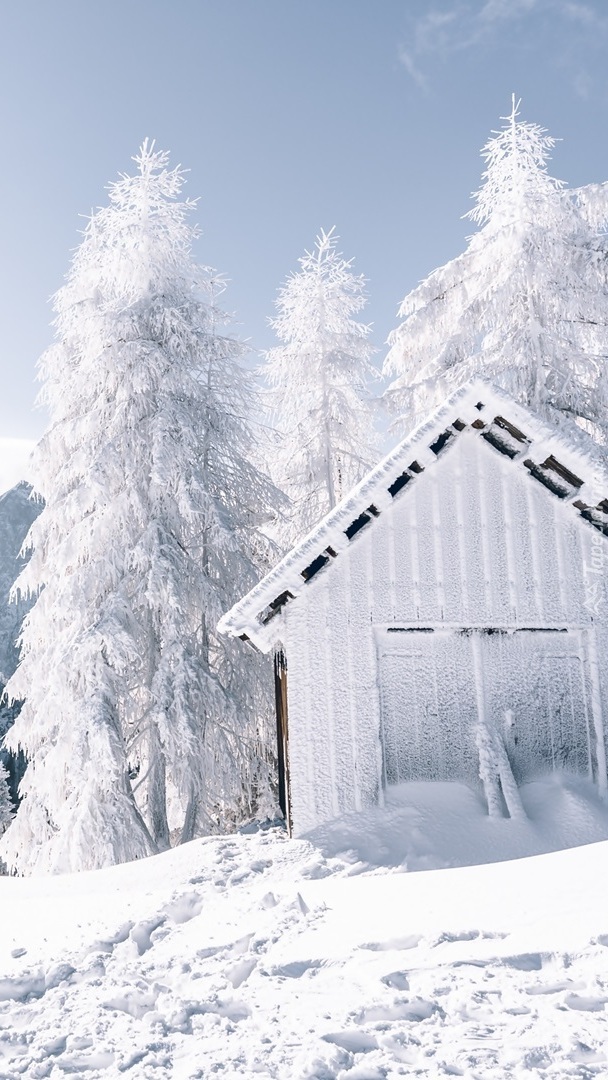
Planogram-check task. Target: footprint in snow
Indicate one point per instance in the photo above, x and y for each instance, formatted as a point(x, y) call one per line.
point(314, 871)
point(55, 1046)
point(397, 980)
point(135, 1003)
point(524, 961)
point(409, 942)
point(296, 969)
point(259, 865)
point(211, 950)
point(31, 986)
point(184, 907)
point(80, 1064)
point(585, 1004)
point(240, 972)
point(471, 963)
point(546, 989)
point(355, 1041)
point(107, 944)
point(243, 873)
point(239, 875)
point(587, 1055)
point(227, 851)
point(414, 1010)
point(448, 937)
point(226, 1007)
point(141, 933)
point(241, 945)
point(24, 988)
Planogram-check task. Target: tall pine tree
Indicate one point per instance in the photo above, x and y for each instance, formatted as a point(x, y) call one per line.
point(524, 305)
point(318, 377)
point(139, 724)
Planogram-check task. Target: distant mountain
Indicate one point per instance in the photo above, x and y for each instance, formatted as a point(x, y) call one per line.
point(17, 512)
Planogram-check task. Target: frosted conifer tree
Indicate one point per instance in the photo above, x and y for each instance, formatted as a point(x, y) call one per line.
point(138, 721)
point(318, 376)
point(522, 305)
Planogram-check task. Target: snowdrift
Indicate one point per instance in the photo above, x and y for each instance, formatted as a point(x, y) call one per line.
point(252, 955)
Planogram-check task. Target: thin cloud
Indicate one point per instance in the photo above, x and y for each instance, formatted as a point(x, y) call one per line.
point(412, 69)
point(495, 11)
point(583, 14)
point(466, 24)
point(445, 31)
point(581, 84)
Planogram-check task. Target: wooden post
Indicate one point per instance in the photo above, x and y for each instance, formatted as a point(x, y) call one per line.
point(280, 688)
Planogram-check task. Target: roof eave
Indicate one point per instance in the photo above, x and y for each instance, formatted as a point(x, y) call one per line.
point(253, 617)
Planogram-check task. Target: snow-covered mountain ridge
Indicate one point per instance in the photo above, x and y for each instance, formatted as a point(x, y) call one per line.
point(17, 512)
point(256, 956)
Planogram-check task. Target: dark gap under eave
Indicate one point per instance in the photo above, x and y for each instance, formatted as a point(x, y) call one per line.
point(513, 431)
point(562, 471)
point(499, 444)
point(313, 568)
point(275, 606)
point(547, 480)
point(359, 522)
point(441, 441)
point(398, 484)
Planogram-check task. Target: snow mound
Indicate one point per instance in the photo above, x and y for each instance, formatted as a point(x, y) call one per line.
point(432, 826)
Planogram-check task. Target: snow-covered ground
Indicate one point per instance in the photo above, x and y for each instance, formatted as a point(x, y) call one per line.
point(256, 956)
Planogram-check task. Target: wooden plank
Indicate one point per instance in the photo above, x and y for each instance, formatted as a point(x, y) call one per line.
point(280, 689)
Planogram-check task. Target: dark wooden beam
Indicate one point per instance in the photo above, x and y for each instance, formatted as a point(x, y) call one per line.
point(280, 690)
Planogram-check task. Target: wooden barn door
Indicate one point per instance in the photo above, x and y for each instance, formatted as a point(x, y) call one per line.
point(536, 698)
point(428, 706)
point(437, 686)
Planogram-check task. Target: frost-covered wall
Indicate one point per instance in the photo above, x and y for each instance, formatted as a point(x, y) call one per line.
point(477, 592)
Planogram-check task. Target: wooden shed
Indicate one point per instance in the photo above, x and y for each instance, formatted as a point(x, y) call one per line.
point(447, 621)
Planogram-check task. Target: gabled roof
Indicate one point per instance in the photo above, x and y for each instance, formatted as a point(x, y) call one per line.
point(571, 468)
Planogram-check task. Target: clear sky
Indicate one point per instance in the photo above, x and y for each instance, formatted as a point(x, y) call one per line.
point(291, 115)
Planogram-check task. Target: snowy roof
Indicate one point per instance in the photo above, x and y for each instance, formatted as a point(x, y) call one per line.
point(570, 467)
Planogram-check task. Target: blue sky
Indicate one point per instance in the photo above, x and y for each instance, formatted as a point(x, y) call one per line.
point(292, 115)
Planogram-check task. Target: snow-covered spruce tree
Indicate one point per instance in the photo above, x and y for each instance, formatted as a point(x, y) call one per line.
point(137, 720)
point(524, 305)
point(592, 202)
point(317, 379)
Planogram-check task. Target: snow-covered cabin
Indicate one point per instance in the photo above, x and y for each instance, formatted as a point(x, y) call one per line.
point(447, 621)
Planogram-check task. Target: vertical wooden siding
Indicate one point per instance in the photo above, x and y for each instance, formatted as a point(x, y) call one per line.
point(474, 540)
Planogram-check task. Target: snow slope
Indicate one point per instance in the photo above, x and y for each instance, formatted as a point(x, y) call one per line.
point(256, 956)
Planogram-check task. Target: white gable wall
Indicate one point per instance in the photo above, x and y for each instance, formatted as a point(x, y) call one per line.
point(474, 541)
